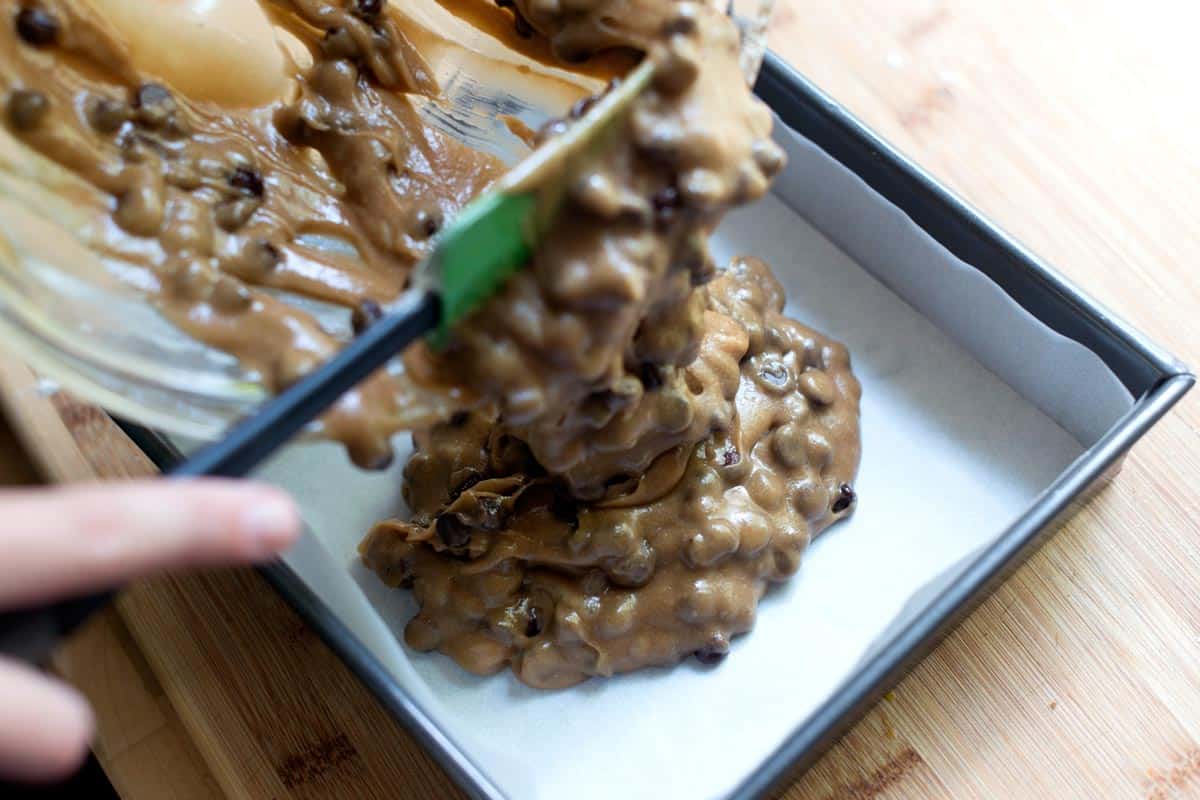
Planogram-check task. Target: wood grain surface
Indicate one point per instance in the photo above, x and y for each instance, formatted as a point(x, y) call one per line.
point(1073, 124)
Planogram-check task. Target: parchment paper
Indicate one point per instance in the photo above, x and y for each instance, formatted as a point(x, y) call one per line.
point(970, 409)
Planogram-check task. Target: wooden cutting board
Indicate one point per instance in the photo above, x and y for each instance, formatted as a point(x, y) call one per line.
point(1070, 123)
point(206, 685)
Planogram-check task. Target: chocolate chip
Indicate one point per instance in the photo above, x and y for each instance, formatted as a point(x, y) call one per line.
point(265, 254)
point(845, 497)
point(427, 222)
point(666, 197)
point(27, 108)
point(602, 404)
point(107, 115)
point(452, 531)
point(666, 202)
point(774, 374)
point(401, 571)
point(247, 181)
point(292, 125)
point(471, 479)
point(459, 418)
point(156, 107)
point(369, 9)
point(524, 29)
point(574, 56)
point(507, 454)
point(37, 27)
point(710, 655)
point(682, 24)
point(364, 315)
point(703, 269)
point(151, 94)
point(533, 626)
point(565, 509)
point(635, 568)
point(491, 510)
point(550, 129)
point(256, 259)
point(381, 40)
point(552, 498)
point(714, 651)
point(505, 4)
point(651, 376)
point(583, 105)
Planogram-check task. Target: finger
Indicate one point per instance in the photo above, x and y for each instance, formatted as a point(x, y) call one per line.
point(45, 726)
point(64, 541)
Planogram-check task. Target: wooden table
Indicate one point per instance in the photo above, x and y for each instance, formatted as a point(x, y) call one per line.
point(1071, 123)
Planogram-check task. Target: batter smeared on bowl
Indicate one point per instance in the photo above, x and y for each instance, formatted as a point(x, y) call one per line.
point(299, 122)
point(617, 454)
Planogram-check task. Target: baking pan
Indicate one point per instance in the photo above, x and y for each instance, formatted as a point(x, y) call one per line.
point(856, 166)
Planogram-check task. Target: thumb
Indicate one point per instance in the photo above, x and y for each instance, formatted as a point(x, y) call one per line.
point(45, 727)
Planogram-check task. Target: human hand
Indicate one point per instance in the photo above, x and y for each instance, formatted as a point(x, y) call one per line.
point(59, 542)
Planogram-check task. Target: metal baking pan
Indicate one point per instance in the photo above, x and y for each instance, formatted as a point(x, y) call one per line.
point(1154, 379)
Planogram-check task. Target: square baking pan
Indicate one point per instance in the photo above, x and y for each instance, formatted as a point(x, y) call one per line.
point(934, 263)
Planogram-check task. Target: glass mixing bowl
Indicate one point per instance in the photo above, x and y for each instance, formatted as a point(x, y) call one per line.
point(80, 317)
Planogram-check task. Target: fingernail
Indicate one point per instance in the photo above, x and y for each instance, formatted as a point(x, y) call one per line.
point(81, 709)
point(70, 727)
point(270, 525)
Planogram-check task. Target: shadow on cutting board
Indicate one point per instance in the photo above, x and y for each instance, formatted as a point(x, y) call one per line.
point(90, 782)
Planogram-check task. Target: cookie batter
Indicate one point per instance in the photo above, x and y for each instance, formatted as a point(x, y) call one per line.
point(660, 447)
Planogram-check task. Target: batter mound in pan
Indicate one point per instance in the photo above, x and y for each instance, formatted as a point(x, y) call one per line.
point(510, 567)
point(662, 442)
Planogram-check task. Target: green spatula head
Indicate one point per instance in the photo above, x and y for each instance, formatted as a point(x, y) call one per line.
point(496, 234)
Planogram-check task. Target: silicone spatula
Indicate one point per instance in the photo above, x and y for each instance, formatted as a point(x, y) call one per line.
point(473, 256)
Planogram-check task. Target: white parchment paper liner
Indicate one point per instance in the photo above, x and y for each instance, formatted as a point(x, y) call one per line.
point(971, 407)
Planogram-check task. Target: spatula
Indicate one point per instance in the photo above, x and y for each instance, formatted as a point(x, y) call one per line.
point(474, 255)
